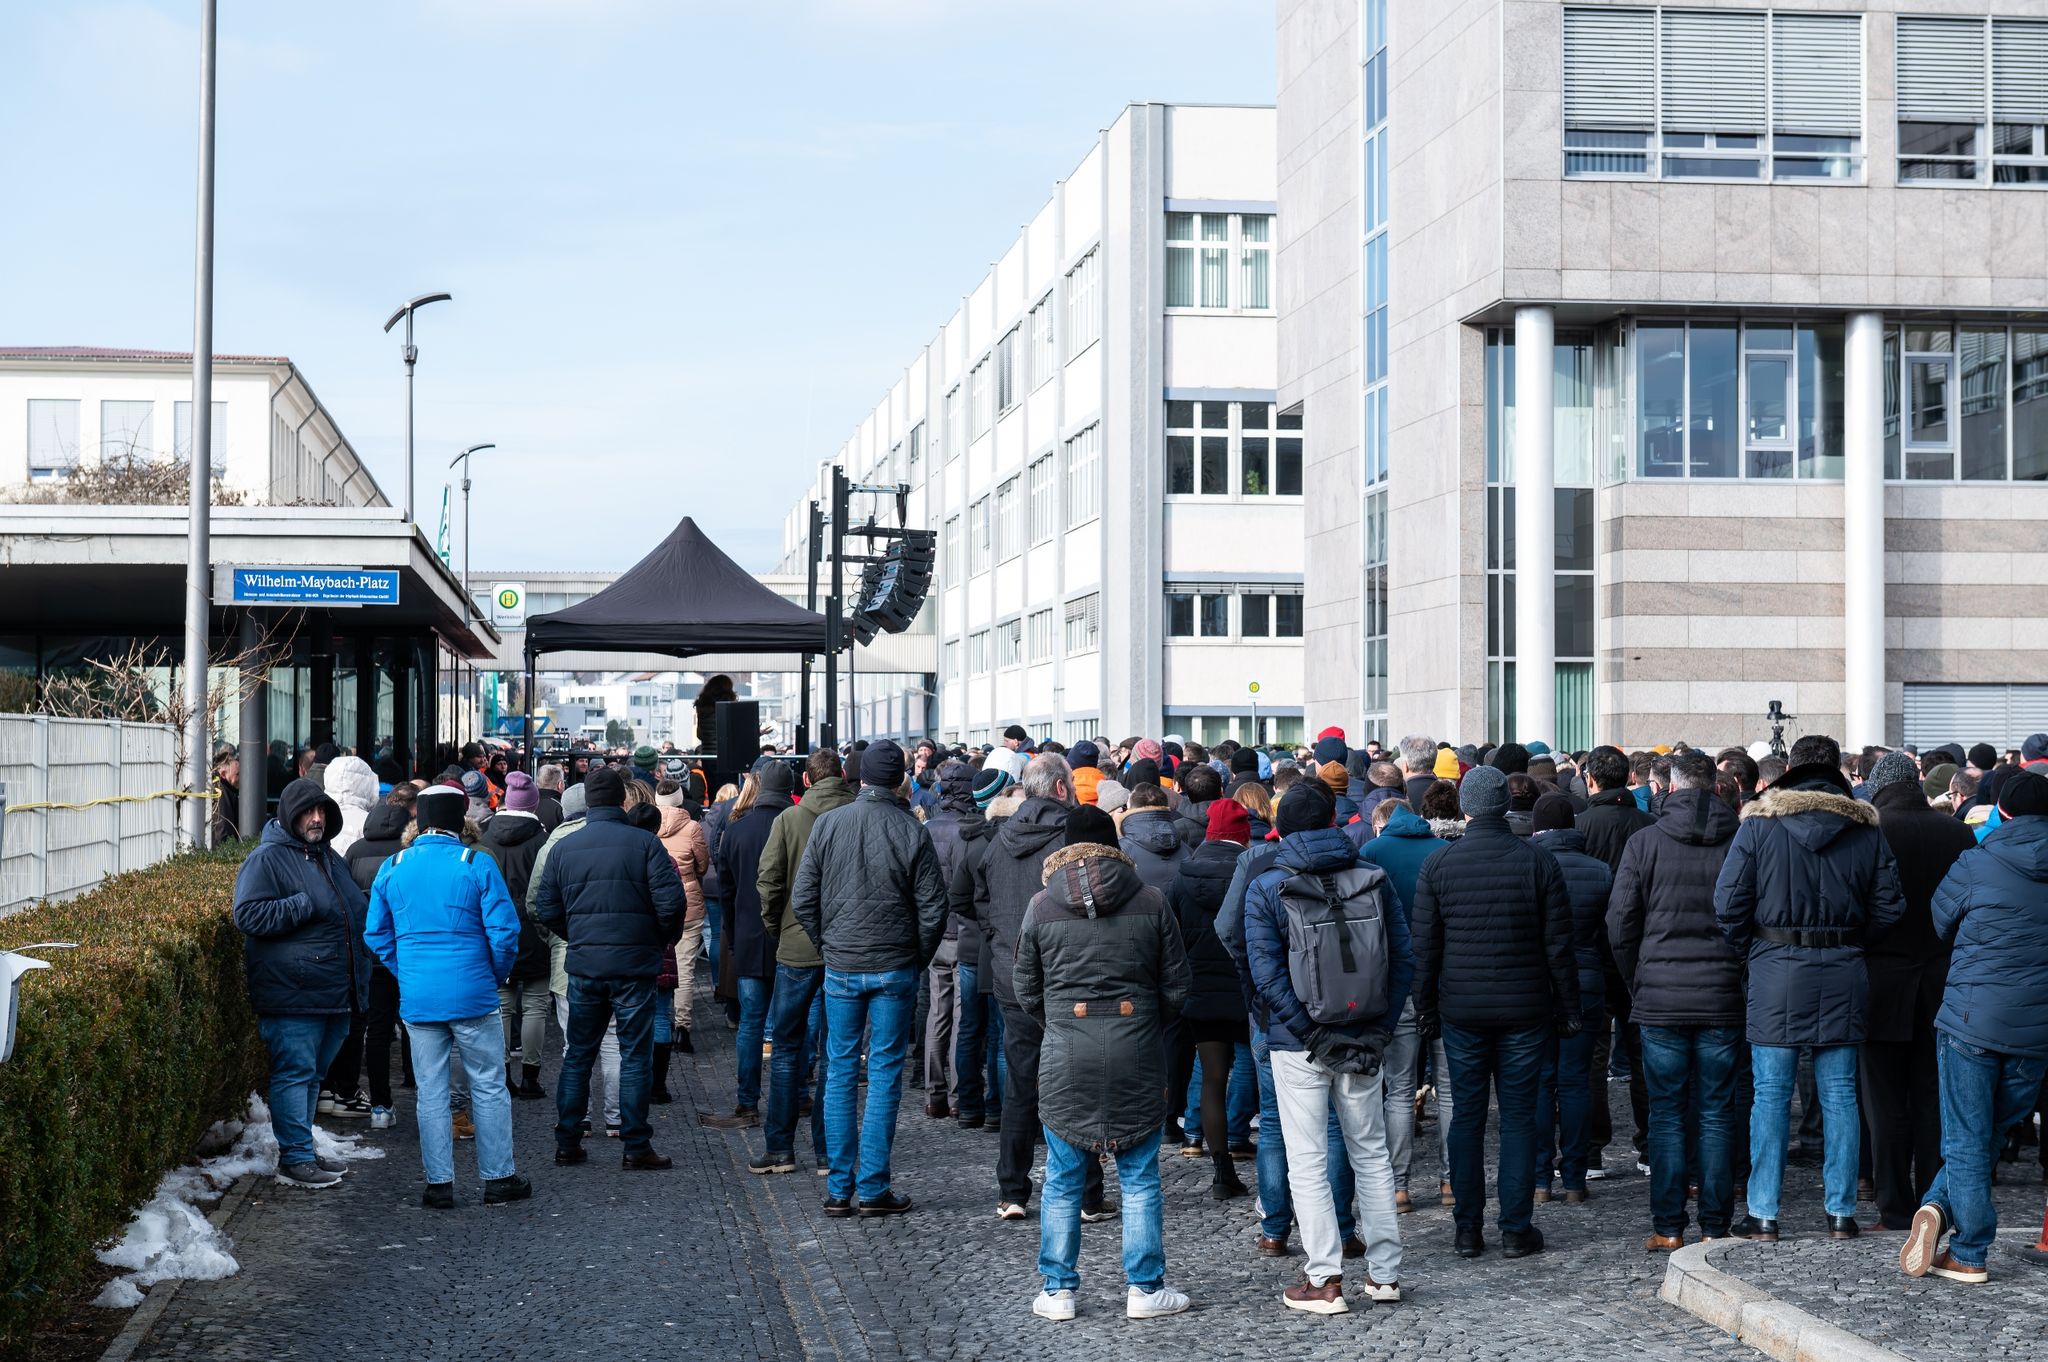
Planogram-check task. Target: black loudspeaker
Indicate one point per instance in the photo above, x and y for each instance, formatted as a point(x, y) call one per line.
point(736, 729)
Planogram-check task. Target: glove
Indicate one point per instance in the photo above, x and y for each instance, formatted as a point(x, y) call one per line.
point(1427, 1025)
point(1569, 1024)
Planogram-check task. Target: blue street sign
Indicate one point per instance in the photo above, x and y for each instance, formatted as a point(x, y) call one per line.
point(314, 586)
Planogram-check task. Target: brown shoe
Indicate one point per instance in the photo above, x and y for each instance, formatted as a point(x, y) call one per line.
point(1327, 1299)
point(1354, 1247)
point(646, 1161)
point(1444, 1197)
point(1270, 1247)
point(938, 1110)
point(571, 1153)
point(464, 1127)
point(1402, 1204)
point(1541, 1195)
point(742, 1118)
point(1664, 1243)
point(1946, 1266)
point(1576, 1195)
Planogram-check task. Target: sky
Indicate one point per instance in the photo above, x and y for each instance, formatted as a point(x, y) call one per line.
point(690, 244)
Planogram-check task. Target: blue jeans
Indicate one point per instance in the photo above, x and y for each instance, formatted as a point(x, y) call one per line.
point(1834, 1072)
point(1509, 1063)
point(796, 1026)
point(1983, 1095)
point(714, 913)
point(1059, 1213)
point(879, 1006)
point(1243, 1099)
point(1690, 1074)
point(1274, 1197)
point(302, 1048)
point(754, 994)
point(977, 1048)
point(664, 1016)
point(1564, 1106)
point(592, 1004)
point(482, 1056)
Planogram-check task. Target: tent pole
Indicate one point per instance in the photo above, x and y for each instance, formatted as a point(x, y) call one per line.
point(530, 766)
point(828, 728)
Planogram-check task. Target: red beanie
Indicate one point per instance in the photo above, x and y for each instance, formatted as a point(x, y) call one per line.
point(1331, 732)
point(1229, 822)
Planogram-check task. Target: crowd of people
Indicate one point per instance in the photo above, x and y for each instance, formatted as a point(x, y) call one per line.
point(1276, 956)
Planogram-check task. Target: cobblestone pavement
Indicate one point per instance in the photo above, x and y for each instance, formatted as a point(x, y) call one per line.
point(710, 1259)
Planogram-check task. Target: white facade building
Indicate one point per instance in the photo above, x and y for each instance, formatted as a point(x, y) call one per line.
point(1094, 435)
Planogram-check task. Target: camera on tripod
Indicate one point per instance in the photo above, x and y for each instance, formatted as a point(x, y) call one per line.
point(1777, 718)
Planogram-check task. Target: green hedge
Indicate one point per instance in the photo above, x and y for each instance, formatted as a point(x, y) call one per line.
point(126, 1050)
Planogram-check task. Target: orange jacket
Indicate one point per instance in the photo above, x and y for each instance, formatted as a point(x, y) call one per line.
point(1086, 778)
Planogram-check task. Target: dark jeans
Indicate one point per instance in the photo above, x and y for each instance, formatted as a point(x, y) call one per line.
point(594, 1003)
point(1023, 1037)
point(747, 1038)
point(977, 1048)
point(796, 1028)
point(1564, 1107)
point(1691, 1075)
point(1507, 1064)
point(1902, 1106)
point(379, 1027)
point(1983, 1095)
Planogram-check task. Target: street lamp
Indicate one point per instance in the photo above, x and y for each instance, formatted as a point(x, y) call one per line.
point(412, 355)
point(463, 459)
point(199, 538)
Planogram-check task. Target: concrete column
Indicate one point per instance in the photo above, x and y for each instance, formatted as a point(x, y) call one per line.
point(1863, 531)
point(1535, 526)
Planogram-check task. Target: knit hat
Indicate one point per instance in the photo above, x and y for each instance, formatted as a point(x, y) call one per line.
point(1483, 793)
point(1083, 753)
point(1894, 768)
point(575, 802)
point(1147, 749)
point(674, 799)
point(1092, 826)
point(474, 785)
point(1331, 732)
point(1331, 749)
point(1333, 774)
point(1936, 784)
point(882, 765)
point(604, 788)
point(1539, 748)
point(776, 777)
point(1446, 767)
point(1229, 821)
point(521, 794)
point(1307, 805)
point(989, 785)
point(1983, 756)
point(1244, 761)
point(1509, 759)
point(2034, 748)
point(1143, 770)
point(1553, 811)
point(643, 755)
point(1016, 733)
point(2024, 795)
point(443, 807)
point(1111, 795)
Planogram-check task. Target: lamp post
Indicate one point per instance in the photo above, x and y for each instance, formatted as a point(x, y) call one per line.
point(463, 459)
point(199, 549)
point(412, 355)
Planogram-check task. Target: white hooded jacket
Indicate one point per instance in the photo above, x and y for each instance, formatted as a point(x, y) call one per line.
point(353, 785)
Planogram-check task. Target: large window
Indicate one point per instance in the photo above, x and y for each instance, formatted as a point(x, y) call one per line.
point(1199, 248)
point(1010, 643)
point(1009, 520)
point(913, 452)
point(949, 551)
point(1044, 513)
point(127, 433)
point(1084, 476)
point(977, 653)
point(978, 537)
point(952, 661)
point(1964, 403)
point(1084, 319)
point(1972, 94)
point(1083, 624)
point(1009, 383)
point(52, 436)
point(956, 423)
point(1038, 635)
point(1721, 94)
point(1044, 353)
point(1232, 449)
point(1218, 611)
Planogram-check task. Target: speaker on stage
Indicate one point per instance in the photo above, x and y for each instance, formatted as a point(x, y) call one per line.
point(736, 730)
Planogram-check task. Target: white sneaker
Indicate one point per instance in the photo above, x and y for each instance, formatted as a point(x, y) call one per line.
point(1054, 1305)
point(1386, 1293)
point(326, 1105)
point(381, 1118)
point(1009, 1210)
point(1152, 1304)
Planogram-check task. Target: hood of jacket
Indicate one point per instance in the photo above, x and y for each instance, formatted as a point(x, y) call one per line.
point(1699, 818)
point(297, 799)
point(351, 782)
point(1154, 830)
point(673, 821)
point(1406, 823)
point(386, 823)
point(827, 794)
point(1090, 878)
point(1621, 796)
point(1555, 840)
point(511, 830)
point(1316, 850)
point(1447, 829)
point(1814, 815)
point(1035, 828)
point(2021, 845)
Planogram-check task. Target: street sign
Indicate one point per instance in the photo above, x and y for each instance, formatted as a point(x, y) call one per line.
point(331, 586)
point(1255, 688)
point(508, 605)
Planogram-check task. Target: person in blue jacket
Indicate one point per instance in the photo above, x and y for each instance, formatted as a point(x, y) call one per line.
point(302, 916)
point(1991, 1034)
point(443, 922)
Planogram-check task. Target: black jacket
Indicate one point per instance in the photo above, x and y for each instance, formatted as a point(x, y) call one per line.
point(550, 811)
point(302, 915)
point(715, 819)
point(1151, 838)
point(513, 842)
point(746, 951)
point(976, 833)
point(383, 837)
point(612, 893)
point(1415, 787)
point(1100, 961)
point(1610, 819)
point(1588, 882)
point(1196, 897)
point(1807, 859)
point(1493, 933)
point(1008, 877)
point(1191, 821)
point(1908, 966)
point(868, 889)
point(1678, 968)
point(942, 825)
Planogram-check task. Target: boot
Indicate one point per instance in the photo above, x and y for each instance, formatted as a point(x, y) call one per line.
point(529, 1082)
point(511, 1083)
point(661, 1095)
point(2037, 1252)
point(682, 1042)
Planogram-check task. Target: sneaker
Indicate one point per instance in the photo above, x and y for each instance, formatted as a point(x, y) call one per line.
point(1327, 1299)
point(888, 1203)
point(381, 1118)
point(611, 1131)
point(464, 1127)
point(1917, 1254)
point(1946, 1266)
point(1009, 1210)
point(1383, 1293)
point(1054, 1305)
point(1642, 1166)
point(355, 1105)
point(1594, 1172)
point(334, 1166)
point(326, 1104)
point(1106, 1211)
point(498, 1191)
point(1154, 1304)
point(308, 1175)
point(772, 1163)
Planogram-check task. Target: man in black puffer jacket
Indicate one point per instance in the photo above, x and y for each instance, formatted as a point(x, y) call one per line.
point(611, 891)
point(1150, 836)
point(1687, 987)
point(1214, 1022)
point(1495, 975)
point(1564, 1097)
point(1100, 966)
point(978, 1033)
point(955, 800)
point(302, 915)
point(1807, 881)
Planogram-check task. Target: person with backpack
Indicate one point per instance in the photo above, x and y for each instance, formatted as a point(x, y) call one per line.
point(1329, 956)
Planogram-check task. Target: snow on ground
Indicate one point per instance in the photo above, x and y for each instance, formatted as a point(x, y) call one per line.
point(170, 1238)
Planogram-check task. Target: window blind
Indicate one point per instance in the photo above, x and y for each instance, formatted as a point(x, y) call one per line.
point(1941, 69)
point(2019, 71)
point(1610, 57)
point(1713, 73)
point(1817, 74)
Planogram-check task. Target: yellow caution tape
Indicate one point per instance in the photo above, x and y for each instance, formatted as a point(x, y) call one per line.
point(112, 799)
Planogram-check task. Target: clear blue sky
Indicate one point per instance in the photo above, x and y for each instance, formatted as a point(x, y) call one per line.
point(690, 243)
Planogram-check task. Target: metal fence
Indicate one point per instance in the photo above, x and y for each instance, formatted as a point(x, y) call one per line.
point(108, 767)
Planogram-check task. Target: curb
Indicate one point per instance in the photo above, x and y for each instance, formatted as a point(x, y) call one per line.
point(163, 1293)
point(1771, 1326)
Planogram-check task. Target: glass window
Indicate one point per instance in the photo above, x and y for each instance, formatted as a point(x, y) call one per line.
point(1257, 258)
point(1180, 465)
point(1254, 615)
point(978, 536)
point(1081, 625)
point(1009, 521)
point(1711, 420)
point(1982, 394)
point(1287, 616)
point(1660, 401)
point(1891, 404)
point(127, 433)
point(1041, 636)
point(2030, 405)
point(1770, 388)
point(1253, 461)
point(1008, 386)
point(1573, 601)
point(52, 436)
point(1252, 415)
point(1215, 465)
point(1213, 609)
point(1927, 425)
point(1574, 512)
point(1084, 320)
point(1044, 515)
point(1287, 462)
point(1820, 370)
point(978, 398)
point(1044, 354)
point(1180, 614)
point(1084, 455)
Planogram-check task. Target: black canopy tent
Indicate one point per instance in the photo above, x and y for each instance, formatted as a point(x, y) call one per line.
point(685, 598)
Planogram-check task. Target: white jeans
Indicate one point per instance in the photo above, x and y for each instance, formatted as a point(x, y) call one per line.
point(686, 970)
point(607, 1057)
point(1303, 1089)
